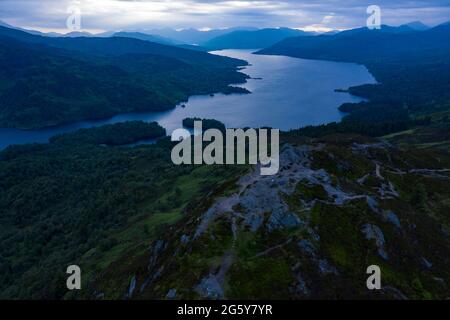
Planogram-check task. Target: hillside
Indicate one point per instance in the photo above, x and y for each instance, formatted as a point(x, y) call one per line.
point(193, 36)
point(51, 81)
point(158, 39)
point(140, 227)
point(245, 39)
point(417, 25)
point(338, 206)
point(144, 37)
point(76, 200)
point(116, 46)
point(364, 44)
point(118, 134)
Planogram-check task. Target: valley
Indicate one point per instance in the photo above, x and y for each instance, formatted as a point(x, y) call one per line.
point(285, 93)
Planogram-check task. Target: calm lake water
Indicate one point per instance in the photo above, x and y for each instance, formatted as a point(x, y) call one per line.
point(291, 93)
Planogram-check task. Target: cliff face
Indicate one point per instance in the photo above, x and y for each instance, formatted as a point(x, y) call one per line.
point(337, 206)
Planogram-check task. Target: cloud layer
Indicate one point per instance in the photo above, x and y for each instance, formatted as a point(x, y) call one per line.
point(145, 14)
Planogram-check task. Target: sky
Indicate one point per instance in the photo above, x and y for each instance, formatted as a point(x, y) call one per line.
point(115, 15)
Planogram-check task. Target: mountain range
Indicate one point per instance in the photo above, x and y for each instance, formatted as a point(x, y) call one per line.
point(364, 44)
point(417, 25)
point(252, 39)
point(145, 37)
point(194, 36)
point(214, 39)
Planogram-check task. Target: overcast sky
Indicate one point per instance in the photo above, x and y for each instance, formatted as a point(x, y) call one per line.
point(98, 15)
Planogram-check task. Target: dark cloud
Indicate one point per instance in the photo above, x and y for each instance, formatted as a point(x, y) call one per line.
point(141, 14)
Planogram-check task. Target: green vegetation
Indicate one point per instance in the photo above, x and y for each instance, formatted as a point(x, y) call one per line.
point(325, 256)
point(112, 135)
point(106, 208)
point(260, 278)
point(206, 124)
point(48, 81)
point(73, 203)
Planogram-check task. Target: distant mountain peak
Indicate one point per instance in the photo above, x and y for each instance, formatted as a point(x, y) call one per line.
point(145, 37)
point(248, 39)
point(4, 24)
point(445, 27)
point(416, 25)
point(75, 34)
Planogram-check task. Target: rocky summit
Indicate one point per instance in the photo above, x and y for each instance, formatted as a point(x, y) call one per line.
point(338, 205)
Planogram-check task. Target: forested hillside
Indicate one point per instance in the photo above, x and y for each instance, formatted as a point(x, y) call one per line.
point(118, 134)
point(140, 227)
point(75, 201)
point(50, 81)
